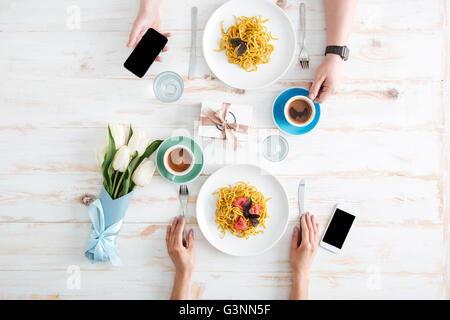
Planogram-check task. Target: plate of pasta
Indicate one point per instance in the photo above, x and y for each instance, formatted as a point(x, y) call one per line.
point(242, 210)
point(249, 44)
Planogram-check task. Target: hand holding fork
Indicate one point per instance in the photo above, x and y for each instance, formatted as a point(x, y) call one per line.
point(184, 196)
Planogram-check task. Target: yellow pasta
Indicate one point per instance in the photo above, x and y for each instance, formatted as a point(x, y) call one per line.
point(257, 39)
point(227, 214)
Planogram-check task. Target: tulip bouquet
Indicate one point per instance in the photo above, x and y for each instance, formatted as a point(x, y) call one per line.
point(124, 162)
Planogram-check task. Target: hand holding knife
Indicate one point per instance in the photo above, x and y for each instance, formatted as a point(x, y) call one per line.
point(301, 205)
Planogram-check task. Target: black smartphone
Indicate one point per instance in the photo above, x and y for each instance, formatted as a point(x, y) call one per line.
point(145, 52)
point(337, 230)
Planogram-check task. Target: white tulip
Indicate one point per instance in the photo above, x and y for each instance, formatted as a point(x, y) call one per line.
point(144, 173)
point(120, 134)
point(138, 142)
point(101, 151)
point(122, 159)
point(100, 155)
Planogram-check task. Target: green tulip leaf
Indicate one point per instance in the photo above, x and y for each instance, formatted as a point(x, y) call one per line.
point(125, 188)
point(107, 163)
point(147, 153)
point(130, 134)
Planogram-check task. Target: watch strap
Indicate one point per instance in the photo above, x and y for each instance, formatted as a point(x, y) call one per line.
point(341, 51)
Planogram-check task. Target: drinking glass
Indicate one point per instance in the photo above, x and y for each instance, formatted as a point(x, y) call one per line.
point(168, 86)
point(275, 148)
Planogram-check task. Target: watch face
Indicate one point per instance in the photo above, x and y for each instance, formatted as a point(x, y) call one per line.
point(345, 53)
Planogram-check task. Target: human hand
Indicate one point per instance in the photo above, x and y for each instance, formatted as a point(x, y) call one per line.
point(327, 78)
point(302, 256)
point(147, 18)
point(182, 257)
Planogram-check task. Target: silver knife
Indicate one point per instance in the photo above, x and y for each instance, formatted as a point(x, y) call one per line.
point(193, 55)
point(301, 205)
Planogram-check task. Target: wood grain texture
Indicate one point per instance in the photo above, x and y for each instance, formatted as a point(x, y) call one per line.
point(143, 248)
point(409, 201)
point(446, 154)
point(381, 148)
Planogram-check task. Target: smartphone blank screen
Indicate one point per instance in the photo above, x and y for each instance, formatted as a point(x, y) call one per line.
point(145, 52)
point(338, 229)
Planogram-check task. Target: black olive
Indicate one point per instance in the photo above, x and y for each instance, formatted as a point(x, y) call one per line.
point(241, 49)
point(247, 206)
point(253, 216)
point(254, 221)
point(235, 42)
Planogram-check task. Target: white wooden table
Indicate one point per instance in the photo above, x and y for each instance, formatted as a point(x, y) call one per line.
point(381, 147)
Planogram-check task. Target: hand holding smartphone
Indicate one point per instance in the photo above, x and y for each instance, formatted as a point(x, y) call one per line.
point(145, 53)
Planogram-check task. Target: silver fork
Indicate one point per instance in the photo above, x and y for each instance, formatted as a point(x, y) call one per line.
point(303, 57)
point(183, 196)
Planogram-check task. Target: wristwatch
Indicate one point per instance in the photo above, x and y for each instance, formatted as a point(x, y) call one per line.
point(341, 51)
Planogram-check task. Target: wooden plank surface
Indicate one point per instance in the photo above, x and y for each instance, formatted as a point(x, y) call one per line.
point(381, 147)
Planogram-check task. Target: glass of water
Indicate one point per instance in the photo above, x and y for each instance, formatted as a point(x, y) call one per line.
point(168, 86)
point(275, 148)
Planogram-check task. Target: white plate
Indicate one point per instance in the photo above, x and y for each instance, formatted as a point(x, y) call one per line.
point(277, 209)
point(281, 58)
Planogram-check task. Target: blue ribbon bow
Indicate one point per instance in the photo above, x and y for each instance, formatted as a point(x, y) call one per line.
point(102, 241)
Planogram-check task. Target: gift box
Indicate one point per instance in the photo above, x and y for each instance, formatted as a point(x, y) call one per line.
point(224, 120)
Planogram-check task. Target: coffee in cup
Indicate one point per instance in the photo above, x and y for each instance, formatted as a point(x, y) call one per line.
point(299, 111)
point(178, 160)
